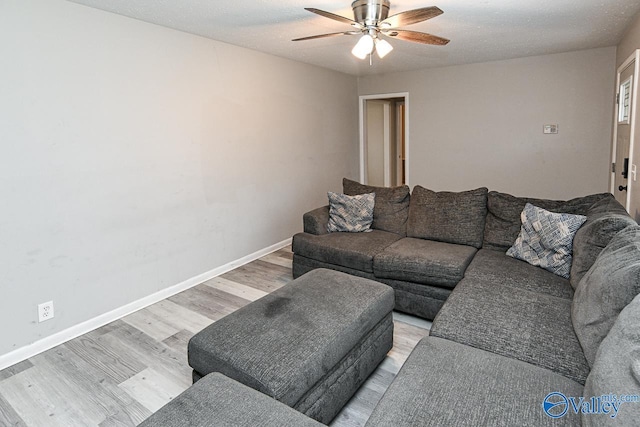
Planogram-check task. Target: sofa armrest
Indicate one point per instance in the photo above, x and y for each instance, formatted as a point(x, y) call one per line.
point(315, 221)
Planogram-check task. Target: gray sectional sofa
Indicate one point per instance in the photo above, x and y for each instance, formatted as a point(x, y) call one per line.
point(511, 344)
point(505, 333)
point(421, 244)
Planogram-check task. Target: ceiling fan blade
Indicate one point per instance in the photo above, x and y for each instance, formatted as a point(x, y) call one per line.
point(415, 36)
point(320, 36)
point(333, 16)
point(411, 17)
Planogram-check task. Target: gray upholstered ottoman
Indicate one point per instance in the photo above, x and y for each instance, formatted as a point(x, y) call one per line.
point(310, 344)
point(218, 401)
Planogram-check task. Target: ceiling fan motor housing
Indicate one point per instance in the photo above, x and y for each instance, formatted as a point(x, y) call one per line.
point(370, 12)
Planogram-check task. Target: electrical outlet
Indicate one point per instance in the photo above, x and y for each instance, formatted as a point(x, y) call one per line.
point(45, 311)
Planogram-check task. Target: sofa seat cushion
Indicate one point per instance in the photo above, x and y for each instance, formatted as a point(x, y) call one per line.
point(496, 267)
point(353, 250)
point(530, 326)
point(424, 261)
point(444, 383)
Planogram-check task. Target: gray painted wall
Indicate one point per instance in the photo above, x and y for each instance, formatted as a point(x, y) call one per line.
point(135, 157)
point(375, 143)
point(481, 124)
point(630, 41)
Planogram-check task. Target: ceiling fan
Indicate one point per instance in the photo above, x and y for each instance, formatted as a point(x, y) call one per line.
point(371, 20)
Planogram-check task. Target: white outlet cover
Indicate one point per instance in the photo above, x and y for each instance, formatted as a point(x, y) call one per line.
point(45, 311)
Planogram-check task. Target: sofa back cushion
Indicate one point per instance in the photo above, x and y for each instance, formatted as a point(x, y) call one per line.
point(503, 216)
point(448, 217)
point(617, 369)
point(609, 285)
point(391, 208)
point(605, 219)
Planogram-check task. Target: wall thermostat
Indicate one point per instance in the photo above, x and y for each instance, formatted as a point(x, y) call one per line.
point(550, 129)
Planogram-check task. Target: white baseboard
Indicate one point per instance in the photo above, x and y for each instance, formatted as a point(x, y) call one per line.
point(47, 343)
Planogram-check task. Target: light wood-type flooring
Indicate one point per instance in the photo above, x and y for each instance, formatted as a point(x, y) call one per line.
point(119, 374)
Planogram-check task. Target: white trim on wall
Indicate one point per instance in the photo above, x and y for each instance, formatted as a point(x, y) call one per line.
point(362, 124)
point(75, 331)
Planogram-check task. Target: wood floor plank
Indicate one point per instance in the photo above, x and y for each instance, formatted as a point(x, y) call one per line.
point(15, 369)
point(179, 342)
point(123, 419)
point(405, 338)
point(260, 275)
point(8, 415)
point(278, 260)
point(285, 252)
point(117, 366)
point(98, 402)
point(38, 395)
point(151, 324)
point(181, 317)
point(96, 333)
point(237, 289)
point(152, 388)
point(151, 353)
point(202, 299)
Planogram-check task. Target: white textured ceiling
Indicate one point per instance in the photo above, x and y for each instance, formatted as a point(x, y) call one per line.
point(480, 30)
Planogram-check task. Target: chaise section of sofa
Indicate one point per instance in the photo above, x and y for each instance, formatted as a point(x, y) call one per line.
point(509, 307)
point(444, 383)
point(526, 317)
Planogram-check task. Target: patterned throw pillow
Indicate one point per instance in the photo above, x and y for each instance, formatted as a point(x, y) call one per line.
point(546, 239)
point(352, 214)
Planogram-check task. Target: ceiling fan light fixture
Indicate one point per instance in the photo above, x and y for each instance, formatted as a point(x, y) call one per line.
point(364, 47)
point(383, 47)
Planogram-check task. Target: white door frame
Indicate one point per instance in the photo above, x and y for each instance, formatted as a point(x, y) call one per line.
point(398, 147)
point(363, 152)
point(634, 57)
point(386, 107)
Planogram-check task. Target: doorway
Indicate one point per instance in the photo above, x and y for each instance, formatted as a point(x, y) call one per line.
point(384, 139)
point(624, 156)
